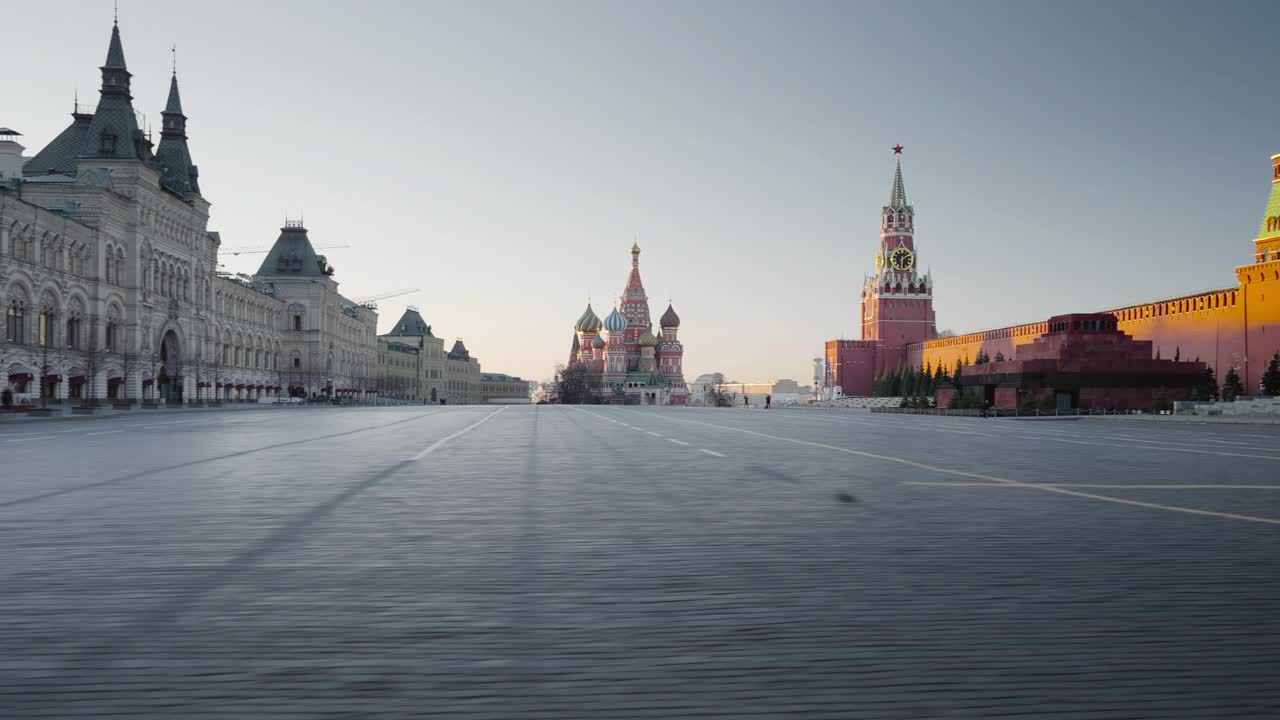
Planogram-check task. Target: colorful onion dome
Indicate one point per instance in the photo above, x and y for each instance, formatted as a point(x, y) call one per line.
point(669, 318)
point(589, 322)
point(598, 342)
point(648, 339)
point(616, 322)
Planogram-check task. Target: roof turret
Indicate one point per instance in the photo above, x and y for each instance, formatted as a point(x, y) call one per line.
point(459, 351)
point(293, 255)
point(113, 133)
point(598, 342)
point(173, 158)
point(648, 339)
point(411, 324)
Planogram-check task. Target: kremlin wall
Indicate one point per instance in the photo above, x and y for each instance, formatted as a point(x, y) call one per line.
point(1236, 326)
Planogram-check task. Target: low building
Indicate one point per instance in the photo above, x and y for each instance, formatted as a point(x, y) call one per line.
point(502, 388)
point(1082, 361)
point(413, 365)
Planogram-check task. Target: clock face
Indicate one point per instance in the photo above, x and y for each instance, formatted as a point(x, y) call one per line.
point(902, 259)
point(879, 259)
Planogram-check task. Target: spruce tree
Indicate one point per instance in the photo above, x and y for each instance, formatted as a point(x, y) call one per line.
point(1231, 387)
point(1271, 378)
point(1210, 384)
point(999, 356)
point(1177, 354)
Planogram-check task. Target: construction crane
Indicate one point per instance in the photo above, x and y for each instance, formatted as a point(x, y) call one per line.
point(371, 301)
point(251, 251)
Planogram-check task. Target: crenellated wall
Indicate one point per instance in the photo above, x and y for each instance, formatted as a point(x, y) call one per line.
point(1231, 327)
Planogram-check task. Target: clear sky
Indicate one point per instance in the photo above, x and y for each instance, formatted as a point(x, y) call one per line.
point(1061, 156)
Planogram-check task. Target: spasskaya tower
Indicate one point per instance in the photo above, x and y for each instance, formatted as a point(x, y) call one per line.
point(897, 301)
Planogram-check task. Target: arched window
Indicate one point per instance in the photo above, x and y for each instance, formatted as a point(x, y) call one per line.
point(46, 333)
point(15, 324)
point(73, 332)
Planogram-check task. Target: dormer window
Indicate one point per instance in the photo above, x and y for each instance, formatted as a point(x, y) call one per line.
point(107, 142)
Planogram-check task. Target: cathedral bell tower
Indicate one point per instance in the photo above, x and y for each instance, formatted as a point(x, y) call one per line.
point(897, 301)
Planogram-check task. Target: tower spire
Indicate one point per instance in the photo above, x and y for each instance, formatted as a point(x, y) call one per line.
point(113, 132)
point(898, 195)
point(173, 158)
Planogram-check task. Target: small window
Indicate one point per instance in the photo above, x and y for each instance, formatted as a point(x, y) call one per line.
point(107, 142)
point(297, 322)
point(297, 362)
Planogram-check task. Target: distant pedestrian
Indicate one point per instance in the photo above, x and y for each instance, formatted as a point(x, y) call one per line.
point(746, 401)
point(768, 401)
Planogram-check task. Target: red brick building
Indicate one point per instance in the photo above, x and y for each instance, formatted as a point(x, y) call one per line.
point(1083, 361)
point(1232, 327)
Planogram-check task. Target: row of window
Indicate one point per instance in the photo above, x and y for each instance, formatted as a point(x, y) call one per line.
point(15, 330)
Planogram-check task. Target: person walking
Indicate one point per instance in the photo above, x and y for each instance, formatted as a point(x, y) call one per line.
point(768, 401)
point(746, 401)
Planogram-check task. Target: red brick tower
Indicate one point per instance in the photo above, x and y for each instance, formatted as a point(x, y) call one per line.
point(897, 301)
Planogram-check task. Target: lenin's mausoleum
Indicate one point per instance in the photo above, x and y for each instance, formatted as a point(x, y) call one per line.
point(1108, 359)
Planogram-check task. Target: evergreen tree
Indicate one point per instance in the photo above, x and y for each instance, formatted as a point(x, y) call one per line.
point(1210, 384)
point(1157, 353)
point(1271, 378)
point(955, 379)
point(1231, 387)
point(895, 383)
point(999, 356)
point(1177, 354)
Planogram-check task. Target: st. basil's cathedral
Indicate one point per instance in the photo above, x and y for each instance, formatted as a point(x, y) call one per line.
point(629, 363)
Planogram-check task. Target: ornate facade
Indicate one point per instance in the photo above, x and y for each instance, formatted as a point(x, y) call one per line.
point(109, 281)
point(628, 362)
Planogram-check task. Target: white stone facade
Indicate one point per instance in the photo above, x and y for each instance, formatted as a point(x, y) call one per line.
point(110, 289)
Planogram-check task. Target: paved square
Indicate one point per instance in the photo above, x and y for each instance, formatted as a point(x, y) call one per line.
point(608, 562)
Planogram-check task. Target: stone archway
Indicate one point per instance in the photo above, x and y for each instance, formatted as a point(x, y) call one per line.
point(170, 380)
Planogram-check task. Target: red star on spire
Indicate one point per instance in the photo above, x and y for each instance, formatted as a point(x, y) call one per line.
point(897, 149)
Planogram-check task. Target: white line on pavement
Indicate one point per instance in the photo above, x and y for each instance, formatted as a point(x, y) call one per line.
point(653, 433)
point(991, 478)
point(104, 432)
point(436, 445)
point(1149, 447)
point(37, 437)
point(679, 442)
point(712, 452)
point(952, 483)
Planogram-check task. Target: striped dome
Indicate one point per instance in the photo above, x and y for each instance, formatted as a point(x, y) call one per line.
point(589, 322)
point(598, 342)
point(616, 322)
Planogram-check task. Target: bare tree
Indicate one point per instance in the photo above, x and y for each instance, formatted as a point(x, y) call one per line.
point(95, 359)
point(215, 376)
point(717, 393)
point(131, 363)
point(46, 359)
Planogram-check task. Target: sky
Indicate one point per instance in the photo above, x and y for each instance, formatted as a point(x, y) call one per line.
point(503, 156)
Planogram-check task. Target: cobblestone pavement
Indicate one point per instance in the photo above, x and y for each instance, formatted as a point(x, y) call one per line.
point(555, 562)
